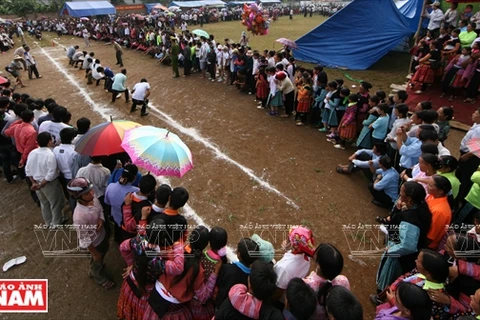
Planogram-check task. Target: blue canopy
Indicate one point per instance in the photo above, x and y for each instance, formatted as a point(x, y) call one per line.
point(88, 8)
point(355, 37)
point(149, 6)
point(411, 10)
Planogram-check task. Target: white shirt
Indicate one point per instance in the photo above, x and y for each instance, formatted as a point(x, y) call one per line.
point(451, 17)
point(436, 18)
point(41, 165)
point(54, 129)
point(64, 154)
point(96, 174)
point(95, 74)
point(85, 33)
point(140, 90)
point(38, 113)
point(393, 132)
point(474, 132)
point(289, 267)
point(442, 151)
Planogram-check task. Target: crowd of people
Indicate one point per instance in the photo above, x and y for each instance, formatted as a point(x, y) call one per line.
point(448, 53)
point(429, 268)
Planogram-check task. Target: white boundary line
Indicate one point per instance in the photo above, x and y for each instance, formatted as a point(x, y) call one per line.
point(102, 110)
point(195, 135)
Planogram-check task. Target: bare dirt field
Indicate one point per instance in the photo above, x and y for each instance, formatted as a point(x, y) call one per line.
point(249, 169)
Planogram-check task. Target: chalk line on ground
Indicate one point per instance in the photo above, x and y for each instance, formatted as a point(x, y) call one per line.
point(195, 135)
point(102, 111)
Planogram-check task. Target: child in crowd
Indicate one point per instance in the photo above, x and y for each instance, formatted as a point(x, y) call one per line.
point(332, 98)
point(397, 98)
point(301, 300)
point(295, 262)
point(238, 272)
point(341, 304)
point(304, 97)
point(348, 125)
point(275, 96)
point(400, 113)
point(133, 204)
point(252, 301)
point(380, 126)
point(338, 112)
point(445, 114)
point(454, 78)
point(262, 88)
point(329, 265)
point(364, 140)
point(475, 231)
point(363, 104)
point(318, 103)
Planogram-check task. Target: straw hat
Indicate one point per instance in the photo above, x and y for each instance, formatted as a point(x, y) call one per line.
point(17, 57)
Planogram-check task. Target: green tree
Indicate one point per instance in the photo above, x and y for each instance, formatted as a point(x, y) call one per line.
point(21, 7)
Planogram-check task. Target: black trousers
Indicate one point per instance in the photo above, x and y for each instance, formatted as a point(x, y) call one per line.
point(136, 102)
point(187, 65)
point(380, 196)
point(8, 156)
point(118, 55)
point(33, 69)
point(448, 79)
point(472, 89)
point(115, 92)
point(289, 102)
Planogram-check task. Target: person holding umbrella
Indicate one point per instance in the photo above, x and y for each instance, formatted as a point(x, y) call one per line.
point(174, 51)
point(140, 93)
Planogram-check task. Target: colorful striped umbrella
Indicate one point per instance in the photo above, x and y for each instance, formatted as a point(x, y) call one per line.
point(104, 139)
point(158, 150)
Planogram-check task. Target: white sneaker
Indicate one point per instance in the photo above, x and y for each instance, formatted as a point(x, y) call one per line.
point(219, 80)
point(119, 95)
point(339, 146)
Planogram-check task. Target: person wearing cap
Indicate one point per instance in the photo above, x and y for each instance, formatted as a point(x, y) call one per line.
point(89, 221)
point(140, 93)
point(20, 51)
point(14, 67)
point(42, 171)
point(436, 18)
point(174, 51)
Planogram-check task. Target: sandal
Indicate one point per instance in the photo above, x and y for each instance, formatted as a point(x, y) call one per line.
point(468, 100)
point(107, 285)
point(381, 220)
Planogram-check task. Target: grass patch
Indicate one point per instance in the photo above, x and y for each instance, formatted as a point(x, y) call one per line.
point(390, 69)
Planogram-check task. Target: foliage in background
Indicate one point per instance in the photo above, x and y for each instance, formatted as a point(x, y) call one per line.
point(23, 7)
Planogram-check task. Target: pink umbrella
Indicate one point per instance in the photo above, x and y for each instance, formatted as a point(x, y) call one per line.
point(3, 80)
point(84, 19)
point(474, 146)
point(287, 43)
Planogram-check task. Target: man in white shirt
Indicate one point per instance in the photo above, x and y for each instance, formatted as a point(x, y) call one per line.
point(64, 154)
point(97, 174)
point(436, 18)
point(31, 64)
point(41, 170)
point(140, 93)
point(56, 125)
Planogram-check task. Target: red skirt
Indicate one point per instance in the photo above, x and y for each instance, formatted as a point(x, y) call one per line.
point(458, 81)
point(175, 312)
point(425, 74)
point(262, 92)
point(303, 106)
point(129, 307)
point(349, 132)
point(201, 311)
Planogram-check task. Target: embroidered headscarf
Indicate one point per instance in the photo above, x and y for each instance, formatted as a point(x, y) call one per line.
point(302, 241)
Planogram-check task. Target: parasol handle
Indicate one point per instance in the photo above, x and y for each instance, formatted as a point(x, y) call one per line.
point(167, 134)
point(111, 119)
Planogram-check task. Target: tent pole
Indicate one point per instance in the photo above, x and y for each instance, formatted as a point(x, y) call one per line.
point(417, 34)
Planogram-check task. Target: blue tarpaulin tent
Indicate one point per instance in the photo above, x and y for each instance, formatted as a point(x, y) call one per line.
point(411, 10)
point(88, 8)
point(355, 37)
point(149, 6)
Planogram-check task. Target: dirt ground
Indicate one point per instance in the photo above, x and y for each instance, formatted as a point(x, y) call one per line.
point(297, 161)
